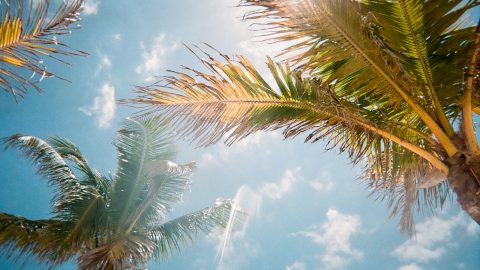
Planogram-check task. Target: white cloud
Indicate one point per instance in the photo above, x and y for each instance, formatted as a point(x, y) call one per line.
point(431, 241)
point(472, 228)
point(208, 159)
point(277, 190)
point(411, 266)
point(324, 183)
point(334, 236)
point(103, 64)
point(321, 186)
point(154, 57)
point(117, 37)
point(90, 7)
point(296, 266)
point(103, 107)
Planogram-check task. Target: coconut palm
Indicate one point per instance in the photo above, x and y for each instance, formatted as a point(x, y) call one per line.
point(392, 83)
point(29, 31)
point(108, 222)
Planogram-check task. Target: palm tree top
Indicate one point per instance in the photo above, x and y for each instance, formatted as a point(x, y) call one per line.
point(109, 222)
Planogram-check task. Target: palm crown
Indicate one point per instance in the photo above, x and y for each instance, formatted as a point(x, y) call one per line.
point(384, 81)
point(109, 222)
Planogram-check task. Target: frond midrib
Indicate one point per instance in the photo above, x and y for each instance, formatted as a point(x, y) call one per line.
point(427, 72)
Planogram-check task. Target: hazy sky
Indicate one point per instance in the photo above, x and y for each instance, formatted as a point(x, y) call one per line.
point(309, 211)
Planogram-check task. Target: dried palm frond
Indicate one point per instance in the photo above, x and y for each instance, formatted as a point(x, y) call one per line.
point(29, 35)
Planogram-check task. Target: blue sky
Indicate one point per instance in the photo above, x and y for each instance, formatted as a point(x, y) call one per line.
point(309, 211)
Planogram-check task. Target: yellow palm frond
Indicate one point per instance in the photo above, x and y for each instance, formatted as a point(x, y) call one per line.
point(29, 35)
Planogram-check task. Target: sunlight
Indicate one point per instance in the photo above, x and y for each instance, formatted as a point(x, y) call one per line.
point(246, 205)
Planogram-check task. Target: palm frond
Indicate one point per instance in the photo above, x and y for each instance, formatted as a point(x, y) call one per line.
point(117, 253)
point(417, 32)
point(170, 236)
point(40, 238)
point(51, 166)
point(29, 34)
point(139, 143)
point(233, 98)
point(69, 151)
point(84, 205)
point(167, 182)
point(338, 38)
point(408, 183)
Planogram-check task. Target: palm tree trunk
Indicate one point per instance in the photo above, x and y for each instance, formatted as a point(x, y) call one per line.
point(463, 177)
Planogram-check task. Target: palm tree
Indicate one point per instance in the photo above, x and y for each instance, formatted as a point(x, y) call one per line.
point(28, 36)
point(392, 83)
point(108, 222)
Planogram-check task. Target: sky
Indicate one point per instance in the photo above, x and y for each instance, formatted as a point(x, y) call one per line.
point(308, 210)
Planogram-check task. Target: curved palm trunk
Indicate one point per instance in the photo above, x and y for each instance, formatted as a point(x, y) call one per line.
point(463, 176)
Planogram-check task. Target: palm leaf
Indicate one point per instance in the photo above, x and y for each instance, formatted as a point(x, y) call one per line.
point(233, 98)
point(408, 183)
point(167, 182)
point(170, 236)
point(89, 176)
point(28, 35)
point(80, 204)
point(417, 32)
point(50, 166)
point(338, 38)
point(139, 143)
point(117, 253)
point(40, 238)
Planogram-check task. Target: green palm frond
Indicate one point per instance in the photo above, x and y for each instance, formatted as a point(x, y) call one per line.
point(29, 34)
point(139, 143)
point(166, 185)
point(51, 166)
point(336, 38)
point(41, 238)
point(417, 32)
point(84, 205)
point(89, 176)
point(126, 252)
point(170, 236)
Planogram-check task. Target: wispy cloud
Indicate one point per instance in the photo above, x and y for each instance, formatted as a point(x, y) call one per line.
point(153, 57)
point(433, 237)
point(104, 63)
point(324, 183)
point(296, 266)
point(321, 186)
point(90, 7)
point(276, 190)
point(472, 228)
point(334, 236)
point(117, 37)
point(103, 107)
point(411, 266)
